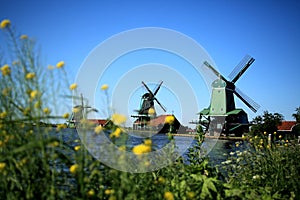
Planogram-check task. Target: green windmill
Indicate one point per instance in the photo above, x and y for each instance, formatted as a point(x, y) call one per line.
point(222, 116)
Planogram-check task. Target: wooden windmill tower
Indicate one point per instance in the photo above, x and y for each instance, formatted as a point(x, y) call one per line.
point(222, 116)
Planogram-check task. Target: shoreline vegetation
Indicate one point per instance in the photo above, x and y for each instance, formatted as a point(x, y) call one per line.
point(36, 163)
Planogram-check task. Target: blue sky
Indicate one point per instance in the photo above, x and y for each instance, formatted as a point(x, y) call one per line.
point(267, 30)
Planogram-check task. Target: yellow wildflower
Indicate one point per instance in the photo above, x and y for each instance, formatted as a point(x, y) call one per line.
point(73, 86)
point(108, 191)
point(275, 133)
point(190, 195)
point(5, 23)
point(151, 111)
point(104, 87)
point(3, 115)
point(74, 168)
point(118, 119)
point(60, 126)
point(23, 37)
point(287, 141)
point(280, 136)
point(265, 133)
point(66, 115)
point(91, 192)
point(5, 70)
point(141, 149)
point(30, 75)
point(148, 142)
point(2, 166)
point(54, 144)
point(161, 180)
point(46, 111)
point(169, 119)
point(98, 129)
point(76, 148)
point(168, 196)
point(60, 64)
point(33, 94)
point(261, 141)
point(116, 133)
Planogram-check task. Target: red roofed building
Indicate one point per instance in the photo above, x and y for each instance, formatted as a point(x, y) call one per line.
point(289, 129)
point(286, 126)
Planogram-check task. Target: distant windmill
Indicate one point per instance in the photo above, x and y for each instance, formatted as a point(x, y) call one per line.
point(222, 115)
point(147, 103)
point(81, 113)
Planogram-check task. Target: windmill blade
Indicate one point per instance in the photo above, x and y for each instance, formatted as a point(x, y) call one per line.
point(164, 109)
point(247, 100)
point(150, 92)
point(240, 69)
point(80, 106)
point(158, 87)
point(215, 71)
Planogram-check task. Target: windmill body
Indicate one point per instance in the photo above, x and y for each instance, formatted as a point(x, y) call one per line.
point(222, 116)
point(146, 117)
point(146, 112)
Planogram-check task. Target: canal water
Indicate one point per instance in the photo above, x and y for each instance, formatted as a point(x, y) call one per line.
point(216, 149)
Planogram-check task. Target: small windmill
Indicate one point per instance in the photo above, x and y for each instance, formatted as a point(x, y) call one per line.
point(79, 112)
point(222, 115)
point(147, 104)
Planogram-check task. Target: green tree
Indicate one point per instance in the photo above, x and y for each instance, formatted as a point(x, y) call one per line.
point(296, 115)
point(268, 123)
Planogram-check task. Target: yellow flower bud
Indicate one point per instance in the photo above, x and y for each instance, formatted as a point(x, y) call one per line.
point(30, 75)
point(5, 70)
point(73, 86)
point(91, 193)
point(5, 23)
point(60, 64)
point(148, 142)
point(76, 148)
point(118, 119)
point(168, 196)
point(46, 111)
point(74, 168)
point(23, 37)
point(98, 129)
point(104, 87)
point(169, 119)
point(66, 115)
point(116, 133)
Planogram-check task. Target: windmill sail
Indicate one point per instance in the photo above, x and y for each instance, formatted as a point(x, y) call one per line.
point(241, 68)
point(247, 100)
point(163, 107)
point(215, 71)
point(150, 92)
point(157, 88)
